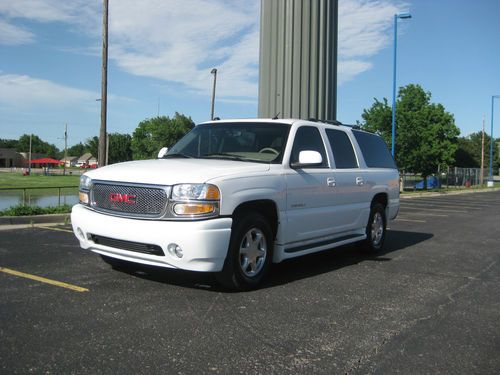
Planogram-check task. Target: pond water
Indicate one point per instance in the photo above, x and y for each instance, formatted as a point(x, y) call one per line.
point(37, 198)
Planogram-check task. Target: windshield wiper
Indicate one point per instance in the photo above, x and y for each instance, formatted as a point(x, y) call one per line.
point(178, 155)
point(223, 155)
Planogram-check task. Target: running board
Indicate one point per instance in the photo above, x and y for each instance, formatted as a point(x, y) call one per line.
point(336, 241)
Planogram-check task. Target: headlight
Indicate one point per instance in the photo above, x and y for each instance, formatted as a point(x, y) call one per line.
point(195, 200)
point(186, 192)
point(83, 194)
point(85, 182)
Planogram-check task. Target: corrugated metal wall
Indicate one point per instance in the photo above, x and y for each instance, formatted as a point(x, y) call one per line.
point(298, 59)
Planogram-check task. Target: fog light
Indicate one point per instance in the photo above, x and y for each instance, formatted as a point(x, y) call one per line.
point(80, 233)
point(175, 250)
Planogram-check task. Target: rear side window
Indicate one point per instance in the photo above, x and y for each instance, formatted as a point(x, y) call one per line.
point(374, 149)
point(343, 153)
point(308, 138)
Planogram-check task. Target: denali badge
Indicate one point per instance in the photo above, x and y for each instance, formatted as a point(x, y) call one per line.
point(123, 198)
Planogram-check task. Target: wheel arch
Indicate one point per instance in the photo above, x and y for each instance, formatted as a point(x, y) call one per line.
point(382, 198)
point(265, 207)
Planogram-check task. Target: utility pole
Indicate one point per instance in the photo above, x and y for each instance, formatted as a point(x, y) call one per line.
point(214, 72)
point(481, 180)
point(104, 85)
point(29, 165)
point(107, 148)
point(65, 148)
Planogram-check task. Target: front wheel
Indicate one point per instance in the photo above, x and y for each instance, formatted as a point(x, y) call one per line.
point(249, 254)
point(375, 229)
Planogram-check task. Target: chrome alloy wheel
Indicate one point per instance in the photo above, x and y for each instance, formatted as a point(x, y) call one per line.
point(377, 229)
point(253, 252)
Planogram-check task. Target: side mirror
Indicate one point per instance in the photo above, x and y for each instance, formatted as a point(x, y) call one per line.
point(162, 152)
point(308, 159)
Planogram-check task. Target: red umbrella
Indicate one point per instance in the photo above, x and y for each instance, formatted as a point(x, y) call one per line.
point(46, 161)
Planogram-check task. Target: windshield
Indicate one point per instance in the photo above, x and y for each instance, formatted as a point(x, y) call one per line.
point(254, 142)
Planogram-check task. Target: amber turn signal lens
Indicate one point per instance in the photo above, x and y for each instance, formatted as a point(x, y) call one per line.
point(193, 208)
point(84, 197)
point(212, 193)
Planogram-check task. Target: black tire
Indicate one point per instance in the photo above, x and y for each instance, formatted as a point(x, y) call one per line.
point(252, 232)
point(375, 229)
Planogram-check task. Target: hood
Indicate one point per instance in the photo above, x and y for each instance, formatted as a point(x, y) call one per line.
point(174, 171)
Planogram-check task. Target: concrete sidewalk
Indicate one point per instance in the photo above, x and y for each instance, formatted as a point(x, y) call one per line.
point(16, 222)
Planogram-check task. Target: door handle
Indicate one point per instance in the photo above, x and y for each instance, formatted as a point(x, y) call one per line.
point(360, 181)
point(330, 181)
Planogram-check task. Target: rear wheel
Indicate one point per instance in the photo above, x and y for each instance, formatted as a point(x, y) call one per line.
point(375, 229)
point(249, 254)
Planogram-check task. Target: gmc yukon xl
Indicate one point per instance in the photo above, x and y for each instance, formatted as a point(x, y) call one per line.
point(234, 196)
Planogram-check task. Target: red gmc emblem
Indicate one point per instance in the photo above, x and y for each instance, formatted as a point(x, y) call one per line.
point(123, 198)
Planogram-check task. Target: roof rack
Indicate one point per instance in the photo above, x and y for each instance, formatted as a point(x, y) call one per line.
point(333, 122)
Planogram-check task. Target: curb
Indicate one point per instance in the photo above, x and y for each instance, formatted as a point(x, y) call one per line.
point(35, 219)
point(440, 194)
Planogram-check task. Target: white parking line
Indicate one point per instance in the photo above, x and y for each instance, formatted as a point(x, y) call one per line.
point(423, 213)
point(433, 209)
point(411, 220)
point(450, 203)
point(431, 206)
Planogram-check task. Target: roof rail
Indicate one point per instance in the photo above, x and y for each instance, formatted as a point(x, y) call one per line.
point(334, 122)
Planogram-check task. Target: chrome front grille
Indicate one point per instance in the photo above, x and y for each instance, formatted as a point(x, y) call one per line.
point(129, 199)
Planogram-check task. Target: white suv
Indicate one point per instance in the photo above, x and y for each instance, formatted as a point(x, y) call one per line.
point(234, 196)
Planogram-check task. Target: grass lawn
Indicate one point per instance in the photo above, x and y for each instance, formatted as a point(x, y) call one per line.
point(447, 190)
point(17, 180)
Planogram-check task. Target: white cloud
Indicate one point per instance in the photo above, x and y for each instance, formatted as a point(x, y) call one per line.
point(180, 41)
point(13, 35)
point(364, 30)
point(23, 91)
point(49, 10)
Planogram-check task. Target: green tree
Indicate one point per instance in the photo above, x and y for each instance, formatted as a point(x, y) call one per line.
point(76, 150)
point(92, 146)
point(9, 143)
point(37, 146)
point(465, 156)
point(426, 135)
point(119, 148)
point(153, 134)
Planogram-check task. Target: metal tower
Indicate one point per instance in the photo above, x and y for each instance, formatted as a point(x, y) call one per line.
point(298, 59)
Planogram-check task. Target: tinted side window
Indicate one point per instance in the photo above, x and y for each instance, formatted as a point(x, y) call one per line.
point(343, 153)
point(374, 149)
point(308, 138)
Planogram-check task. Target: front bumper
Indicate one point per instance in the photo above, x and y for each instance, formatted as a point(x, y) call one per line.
point(204, 243)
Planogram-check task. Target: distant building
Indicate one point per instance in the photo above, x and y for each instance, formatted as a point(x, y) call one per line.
point(86, 160)
point(10, 158)
point(34, 155)
point(70, 161)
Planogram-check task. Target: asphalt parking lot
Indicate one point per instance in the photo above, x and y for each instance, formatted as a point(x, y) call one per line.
point(430, 303)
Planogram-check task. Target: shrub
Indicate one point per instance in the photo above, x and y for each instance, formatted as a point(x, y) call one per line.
point(24, 210)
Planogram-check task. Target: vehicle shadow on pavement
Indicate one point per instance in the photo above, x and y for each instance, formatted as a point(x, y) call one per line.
point(337, 258)
point(288, 271)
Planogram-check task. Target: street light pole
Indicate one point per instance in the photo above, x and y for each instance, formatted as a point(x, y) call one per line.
point(104, 86)
point(214, 72)
point(396, 16)
point(492, 141)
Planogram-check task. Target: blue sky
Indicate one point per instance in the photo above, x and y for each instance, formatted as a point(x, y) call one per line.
point(162, 51)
